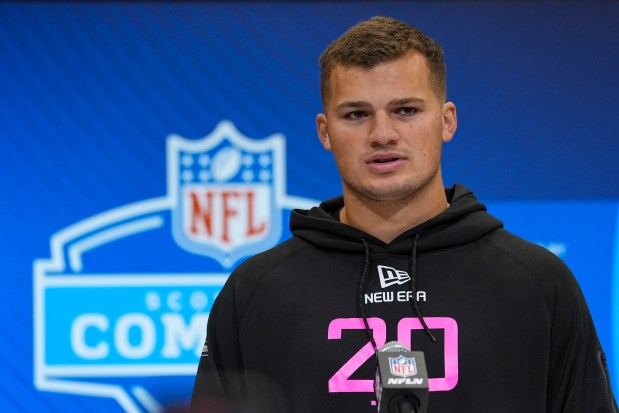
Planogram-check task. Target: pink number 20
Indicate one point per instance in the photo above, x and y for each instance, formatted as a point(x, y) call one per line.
point(341, 382)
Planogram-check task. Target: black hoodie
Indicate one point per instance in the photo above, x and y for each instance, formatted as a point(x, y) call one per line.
point(502, 322)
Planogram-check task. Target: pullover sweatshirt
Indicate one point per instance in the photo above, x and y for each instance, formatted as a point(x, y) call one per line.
point(502, 322)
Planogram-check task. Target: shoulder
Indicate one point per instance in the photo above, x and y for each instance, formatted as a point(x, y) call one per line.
point(530, 256)
point(255, 268)
point(249, 275)
point(545, 269)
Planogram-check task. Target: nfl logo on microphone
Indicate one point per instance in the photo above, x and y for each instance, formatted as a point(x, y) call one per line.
point(402, 366)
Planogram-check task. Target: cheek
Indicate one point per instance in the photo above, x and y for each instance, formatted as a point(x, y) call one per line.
point(340, 154)
point(344, 157)
point(431, 151)
point(340, 146)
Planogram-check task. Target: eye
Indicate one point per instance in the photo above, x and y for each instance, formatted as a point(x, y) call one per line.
point(356, 115)
point(406, 111)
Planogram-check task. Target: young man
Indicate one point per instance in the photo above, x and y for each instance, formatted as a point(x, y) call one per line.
point(502, 322)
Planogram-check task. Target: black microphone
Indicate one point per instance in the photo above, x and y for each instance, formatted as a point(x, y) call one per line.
point(401, 383)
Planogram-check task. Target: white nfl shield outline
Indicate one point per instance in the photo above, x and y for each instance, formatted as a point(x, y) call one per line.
point(226, 192)
point(403, 366)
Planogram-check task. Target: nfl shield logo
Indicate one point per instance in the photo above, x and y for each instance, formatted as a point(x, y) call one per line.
point(403, 366)
point(226, 191)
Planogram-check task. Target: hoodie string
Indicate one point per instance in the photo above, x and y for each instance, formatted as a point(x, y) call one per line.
point(363, 288)
point(415, 303)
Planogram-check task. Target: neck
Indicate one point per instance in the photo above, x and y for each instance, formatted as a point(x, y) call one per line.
point(386, 220)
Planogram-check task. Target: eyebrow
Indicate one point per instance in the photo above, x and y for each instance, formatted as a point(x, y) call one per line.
point(353, 105)
point(406, 101)
point(363, 104)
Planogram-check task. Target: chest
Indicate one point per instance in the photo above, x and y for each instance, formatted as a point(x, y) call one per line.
point(307, 330)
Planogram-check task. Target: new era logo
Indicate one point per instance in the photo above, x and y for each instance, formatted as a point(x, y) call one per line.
point(390, 276)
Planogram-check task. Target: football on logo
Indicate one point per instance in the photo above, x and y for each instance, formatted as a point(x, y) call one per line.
point(120, 309)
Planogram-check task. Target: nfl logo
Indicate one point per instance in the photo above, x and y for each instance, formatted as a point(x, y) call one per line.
point(402, 366)
point(226, 189)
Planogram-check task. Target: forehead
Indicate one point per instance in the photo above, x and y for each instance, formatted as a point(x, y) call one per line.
point(403, 77)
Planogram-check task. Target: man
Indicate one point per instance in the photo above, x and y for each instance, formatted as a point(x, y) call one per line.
point(502, 322)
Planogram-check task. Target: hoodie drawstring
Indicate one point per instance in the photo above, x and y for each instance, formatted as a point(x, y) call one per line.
point(416, 309)
point(363, 285)
point(362, 290)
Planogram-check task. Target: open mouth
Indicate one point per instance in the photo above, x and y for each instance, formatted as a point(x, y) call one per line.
point(385, 160)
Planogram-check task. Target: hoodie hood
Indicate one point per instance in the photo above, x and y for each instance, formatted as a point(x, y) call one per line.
point(465, 220)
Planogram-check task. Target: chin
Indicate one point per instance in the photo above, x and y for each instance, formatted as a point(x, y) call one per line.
point(399, 190)
point(389, 193)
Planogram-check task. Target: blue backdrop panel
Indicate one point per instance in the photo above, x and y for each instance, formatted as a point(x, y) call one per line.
point(118, 118)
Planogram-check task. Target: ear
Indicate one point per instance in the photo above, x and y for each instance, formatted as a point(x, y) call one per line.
point(321, 127)
point(450, 121)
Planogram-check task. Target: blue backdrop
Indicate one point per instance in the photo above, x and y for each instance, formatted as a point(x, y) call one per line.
point(103, 107)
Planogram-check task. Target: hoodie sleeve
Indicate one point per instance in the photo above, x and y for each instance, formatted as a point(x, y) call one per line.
point(576, 371)
point(578, 375)
point(223, 384)
point(219, 379)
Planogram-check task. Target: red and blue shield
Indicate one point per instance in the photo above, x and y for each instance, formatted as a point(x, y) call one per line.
point(226, 190)
point(402, 366)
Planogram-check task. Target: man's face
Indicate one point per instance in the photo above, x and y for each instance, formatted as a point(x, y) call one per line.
point(385, 127)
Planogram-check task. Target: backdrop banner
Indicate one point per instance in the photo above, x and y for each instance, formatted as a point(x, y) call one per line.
point(148, 148)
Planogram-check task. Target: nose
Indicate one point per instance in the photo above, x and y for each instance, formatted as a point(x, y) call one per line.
point(383, 132)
